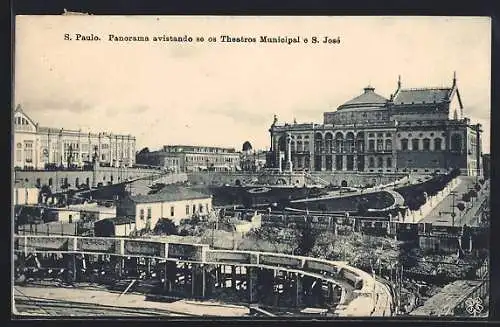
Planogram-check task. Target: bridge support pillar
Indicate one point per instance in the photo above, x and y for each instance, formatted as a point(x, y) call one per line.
point(233, 277)
point(299, 299)
point(170, 275)
point(119, 264)
point(198, 282)
point(187, 276)
point(70, 260)
point(252, 283)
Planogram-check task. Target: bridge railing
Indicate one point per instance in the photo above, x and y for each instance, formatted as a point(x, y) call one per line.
point(338, 272)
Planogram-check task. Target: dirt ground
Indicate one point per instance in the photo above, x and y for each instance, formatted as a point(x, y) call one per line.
point(130, 301)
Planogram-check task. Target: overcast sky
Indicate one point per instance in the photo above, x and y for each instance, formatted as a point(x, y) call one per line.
point(225, 93)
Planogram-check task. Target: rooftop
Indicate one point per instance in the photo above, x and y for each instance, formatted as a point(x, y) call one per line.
point(367, 99)
point(170, 193)
point(118, 220)
point(423, 95)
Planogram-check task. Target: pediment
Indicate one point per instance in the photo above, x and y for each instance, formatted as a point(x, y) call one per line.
point(23, 122)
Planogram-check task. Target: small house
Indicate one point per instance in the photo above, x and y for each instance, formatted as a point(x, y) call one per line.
point(172, 202)
point(114, 227)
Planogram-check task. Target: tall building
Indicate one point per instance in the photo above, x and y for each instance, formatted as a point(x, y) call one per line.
point(419, 130)
point(191, 158)
point(37, 147)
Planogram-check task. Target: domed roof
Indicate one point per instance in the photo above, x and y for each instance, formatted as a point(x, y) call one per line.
point(369, 99)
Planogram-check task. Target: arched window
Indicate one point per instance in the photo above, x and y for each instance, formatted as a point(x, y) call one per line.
point(371, 145)
point(306, 146)
point(388, 145)
point(19, 151)
point(371, 162)
point(329, 142)
point(415, 144)
point(389, 162)
point(380, 162)
point(456, 142)
point(350, 142)
point(437, 144)
point(318, 143)
point(360, 141)
point(380, 145)
point(87, 181)
point(339, 142)
point(50, 181)
point(38, 183)
point(426, 144)
point(404, 144)
point(282, 143)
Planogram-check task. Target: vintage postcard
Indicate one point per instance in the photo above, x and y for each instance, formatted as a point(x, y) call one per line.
point(220, 166)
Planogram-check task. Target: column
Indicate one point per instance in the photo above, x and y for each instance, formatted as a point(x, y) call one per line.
point(117, 158)
point(99, 146)
point(298, 291)
point(344, 162)
point(61, 149)
point(233, 277)
point(252, 283)
point(289, 153)
point(355, 162)
point(323, 162)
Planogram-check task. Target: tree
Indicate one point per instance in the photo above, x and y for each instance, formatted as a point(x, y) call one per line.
point(144, 150)
point(165, 226)
point(247, 146)
point(461, 206)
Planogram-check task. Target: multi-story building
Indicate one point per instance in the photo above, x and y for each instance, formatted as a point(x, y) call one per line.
point(37, 147)
point(416, 130)
point(189, 158)
point(174, 203)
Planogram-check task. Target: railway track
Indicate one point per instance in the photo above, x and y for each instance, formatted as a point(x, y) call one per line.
point(39, 306)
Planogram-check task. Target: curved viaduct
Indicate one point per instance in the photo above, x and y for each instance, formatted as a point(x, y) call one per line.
point(201, 271)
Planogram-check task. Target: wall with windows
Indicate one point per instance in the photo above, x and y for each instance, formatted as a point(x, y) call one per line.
point(35, 146)
point(103, 176)
point(346, 116)
point(147, 214)
point(25, 195)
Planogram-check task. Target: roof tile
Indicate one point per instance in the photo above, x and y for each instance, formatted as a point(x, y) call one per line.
point(418, 96)
point(170, 193)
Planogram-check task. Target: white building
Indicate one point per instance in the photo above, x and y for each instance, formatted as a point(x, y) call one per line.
point(25, 194)
point(175, 203)
point(97, 212)
point(37, 147)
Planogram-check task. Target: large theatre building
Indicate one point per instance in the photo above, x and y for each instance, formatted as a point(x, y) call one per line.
point(38, 147)
point(418, 130)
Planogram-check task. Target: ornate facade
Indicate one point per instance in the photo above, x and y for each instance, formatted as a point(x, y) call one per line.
point(37, 147)
point(416, 130)
point(190, 158)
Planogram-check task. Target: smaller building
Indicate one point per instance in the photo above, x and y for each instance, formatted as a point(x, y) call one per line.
point(93, 211)
point(191, 158)
point(63, 215)
point(173, 202)
point(25, 194)
point(114, 227)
